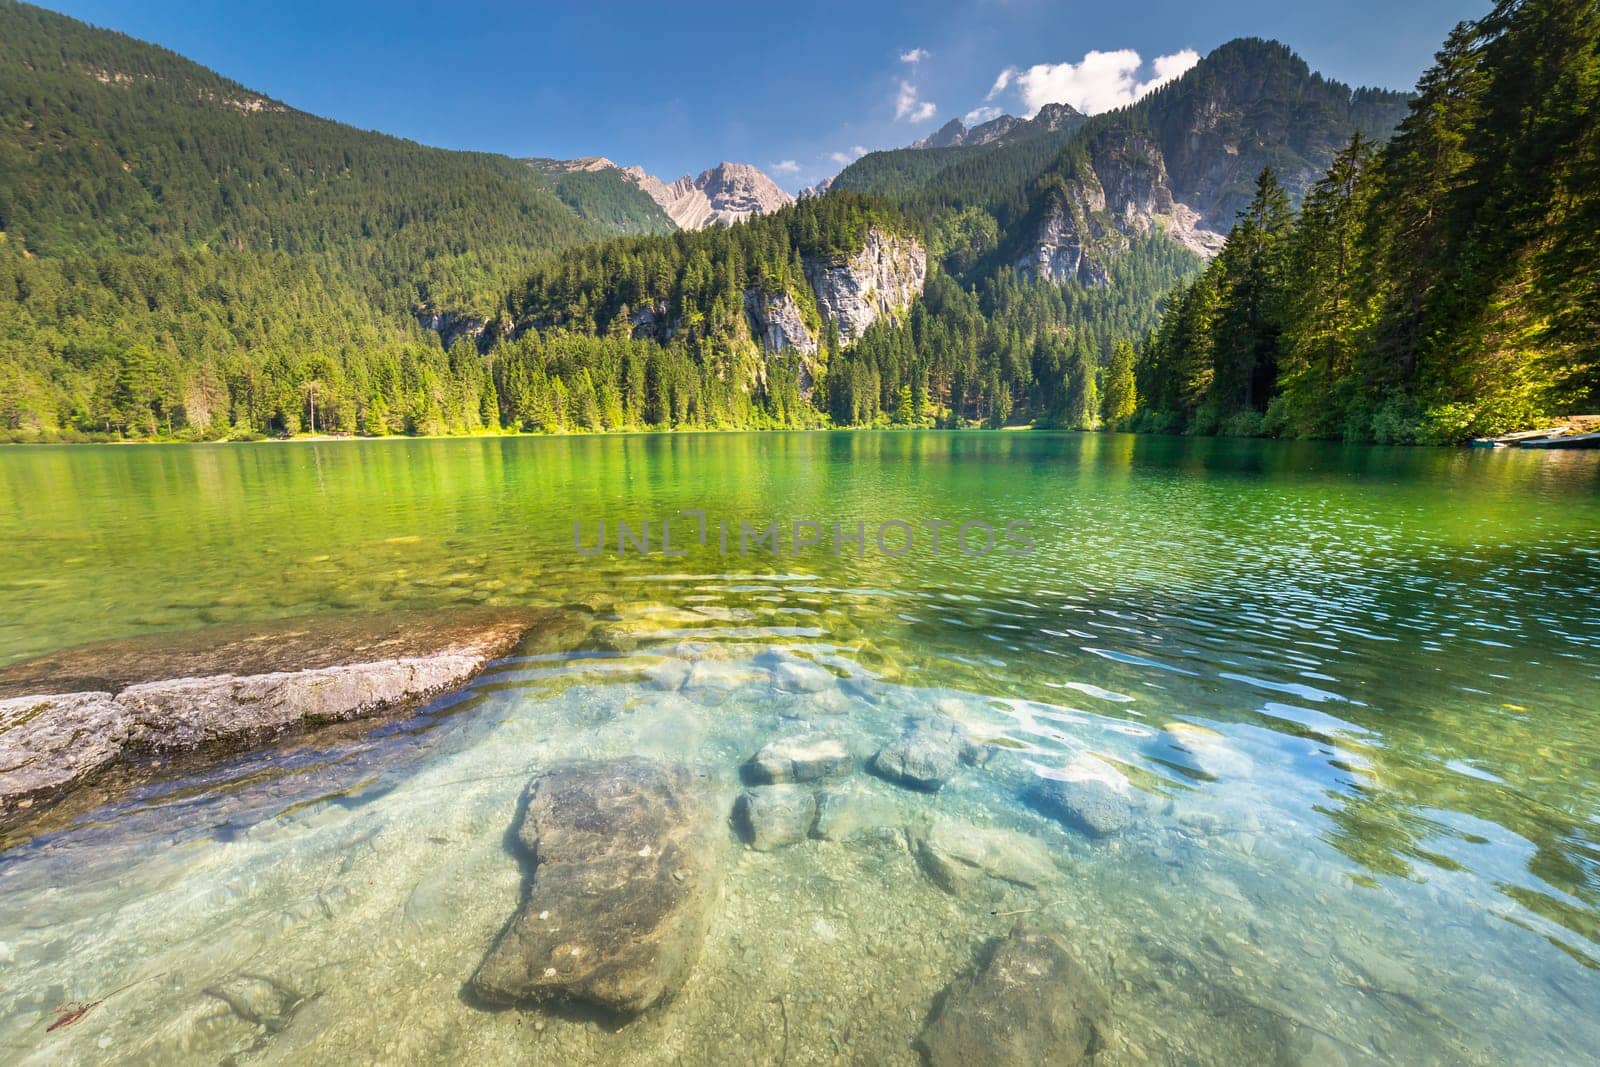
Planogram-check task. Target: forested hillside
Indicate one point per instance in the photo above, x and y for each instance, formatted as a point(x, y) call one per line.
point(177, 251)
point(603, 196)
point(181, 257)
point(1443, 285)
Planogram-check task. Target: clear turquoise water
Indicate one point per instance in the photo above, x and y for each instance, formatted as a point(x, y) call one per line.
point(1352, 692)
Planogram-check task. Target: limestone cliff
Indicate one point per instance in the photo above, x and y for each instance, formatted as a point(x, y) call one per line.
point(778, 323)
point(882, 279)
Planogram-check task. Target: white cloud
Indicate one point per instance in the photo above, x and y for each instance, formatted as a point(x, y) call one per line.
point(788, 166)
point(908, 108)
point(1101, 81)
point(854, 153)
point(979, 115)
point(914, 56)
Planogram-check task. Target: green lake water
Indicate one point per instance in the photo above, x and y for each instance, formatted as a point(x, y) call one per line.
point(1351, 694)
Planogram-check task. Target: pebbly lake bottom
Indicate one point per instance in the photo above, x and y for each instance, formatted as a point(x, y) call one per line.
point(330, 903)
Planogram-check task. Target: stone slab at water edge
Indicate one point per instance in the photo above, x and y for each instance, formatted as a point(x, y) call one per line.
point(627, 868)
point(224, 687)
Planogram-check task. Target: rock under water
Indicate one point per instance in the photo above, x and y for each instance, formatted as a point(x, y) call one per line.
point(925, 756)
point(1089, 806)
point(805, 758)
point(771, 818)
point(626, 873)
point(1029, 1003)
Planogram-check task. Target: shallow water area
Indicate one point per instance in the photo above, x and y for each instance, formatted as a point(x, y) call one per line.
point(1345, 694)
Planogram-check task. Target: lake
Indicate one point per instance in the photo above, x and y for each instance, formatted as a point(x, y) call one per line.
point(1347, 698)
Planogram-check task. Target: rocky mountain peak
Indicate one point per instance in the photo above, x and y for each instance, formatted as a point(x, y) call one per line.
point(956, 134)
point(719, 196)
point(950, 134)
point(1057, 116)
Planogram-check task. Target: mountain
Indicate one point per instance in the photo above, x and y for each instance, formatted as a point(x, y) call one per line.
point(1183, 161)
point(180, 253)
point(955, 134)
point(181, 256)
point(1439, 286)
point(110, 144)
point(1051, 118)
point(598, 191)
point(720, 196)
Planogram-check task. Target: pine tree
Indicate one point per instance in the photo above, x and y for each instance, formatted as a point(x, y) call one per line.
point(1119, 399)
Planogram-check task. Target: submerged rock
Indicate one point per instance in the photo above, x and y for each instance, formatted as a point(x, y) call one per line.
point(626, 875)
point(959, 856)
point(843, 813)
point(801, 677)
point(769, 819)
point(50, 743)
point(1029, 1003)
point(806, 758)
point(258, 1000)
point(925, 756)
point(1208, 751)
point(1087, 805)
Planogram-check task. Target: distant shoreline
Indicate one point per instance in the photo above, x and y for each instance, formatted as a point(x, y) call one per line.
point(1576, 425)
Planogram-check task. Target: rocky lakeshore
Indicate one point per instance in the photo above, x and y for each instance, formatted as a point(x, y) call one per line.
point(688, 851)
point(68, 717)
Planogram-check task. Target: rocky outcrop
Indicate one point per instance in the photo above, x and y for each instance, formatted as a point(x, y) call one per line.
point(1069, 242)
point(776, 320)
point(882, 279)
point(452, 326)
point(625, 879)
point(178, 693)
point(1030, 1002)
point(719, 196)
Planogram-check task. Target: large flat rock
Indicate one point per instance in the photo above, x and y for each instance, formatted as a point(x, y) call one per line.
point(1028, 1003)
point(188, 713)
point(275, 647)
point(48, 742)
point(170, 697)
point(626, 873)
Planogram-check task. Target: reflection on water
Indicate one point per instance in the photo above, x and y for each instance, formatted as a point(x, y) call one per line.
point(1348, 693)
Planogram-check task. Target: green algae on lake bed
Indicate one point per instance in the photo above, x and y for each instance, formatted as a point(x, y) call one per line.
point(1347, 694)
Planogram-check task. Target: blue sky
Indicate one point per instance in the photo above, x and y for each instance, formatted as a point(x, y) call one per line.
point(677, 87)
